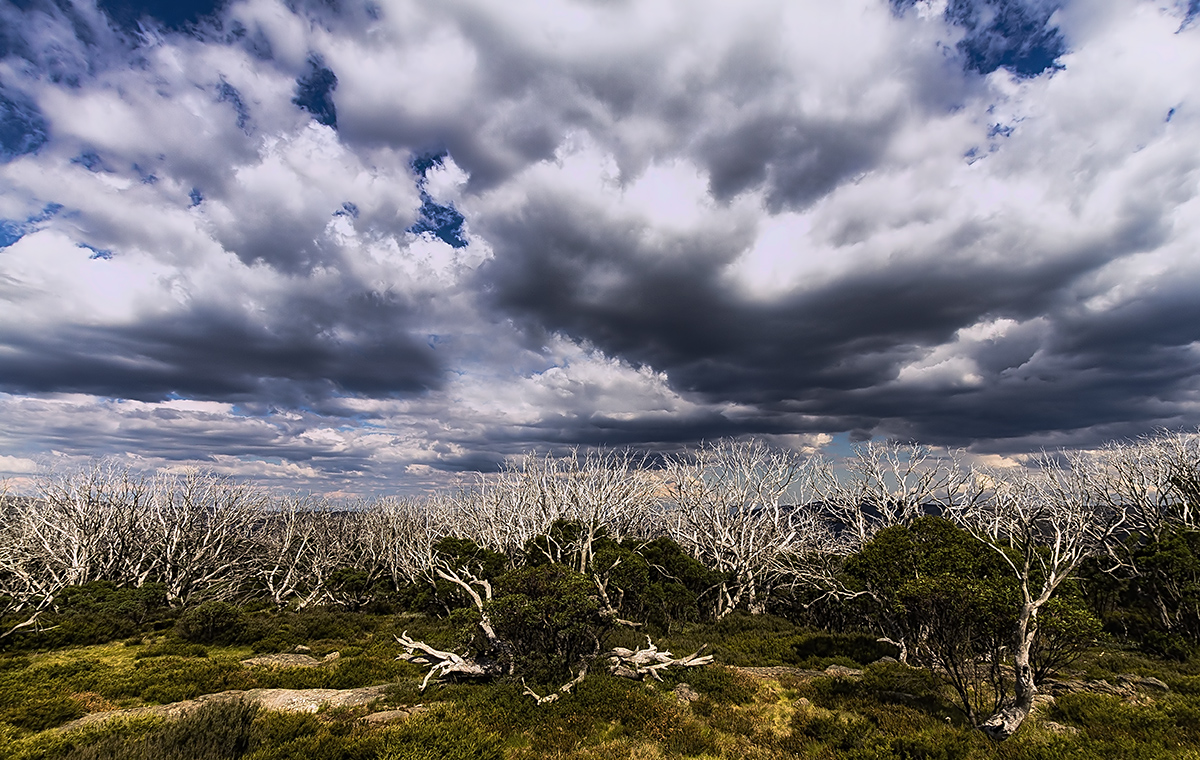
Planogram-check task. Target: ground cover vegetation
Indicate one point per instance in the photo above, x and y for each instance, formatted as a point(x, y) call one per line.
point(895, 604)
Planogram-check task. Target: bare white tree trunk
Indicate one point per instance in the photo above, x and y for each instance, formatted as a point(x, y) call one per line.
point(201, 532)
point(1043, 520)
point(885, 484)
point(734, 507)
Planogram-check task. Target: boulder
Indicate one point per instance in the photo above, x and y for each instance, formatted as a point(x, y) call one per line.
point(685, 694)
point(289, 660)
point(841, 671)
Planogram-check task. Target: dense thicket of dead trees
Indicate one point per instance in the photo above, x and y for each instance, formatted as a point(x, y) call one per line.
point(756, 523)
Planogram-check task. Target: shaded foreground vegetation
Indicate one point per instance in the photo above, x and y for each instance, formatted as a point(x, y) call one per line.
point(946, 598)
point(887, 711)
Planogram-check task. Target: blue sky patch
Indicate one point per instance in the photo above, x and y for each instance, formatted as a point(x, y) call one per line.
point(50, 210)
point(97, 253)
point(314, 92)
point(1193, 10)
point(227, 93)
point(22, 127)
point(10, 232)
point(172, 14)
point(423, 162)
point(443, 221)
point(196, 197)
point(1010, 34)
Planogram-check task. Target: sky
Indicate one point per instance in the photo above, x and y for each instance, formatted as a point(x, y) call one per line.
point(358, 246)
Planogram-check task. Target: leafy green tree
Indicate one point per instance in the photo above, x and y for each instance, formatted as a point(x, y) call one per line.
point(951, 603)
point(552, 618)
point(879, 575)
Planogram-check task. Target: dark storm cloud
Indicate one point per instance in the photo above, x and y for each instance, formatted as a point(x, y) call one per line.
point(217, 353)
point(568, 268)
point(836, 352)
point(434, 235)
point(796, 161)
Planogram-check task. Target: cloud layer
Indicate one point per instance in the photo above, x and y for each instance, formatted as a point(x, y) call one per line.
point(369, 245)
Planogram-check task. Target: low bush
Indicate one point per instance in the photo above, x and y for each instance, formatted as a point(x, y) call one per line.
point(42, 712)
point(171, 679)
point(217, 731)
point(439, 736)
point(816, 649)
point(172, 648)
point(888, 678)
point(94, 613)
point(67, 745)
point(719, 684)
point(211, 623)
point(1108, 718)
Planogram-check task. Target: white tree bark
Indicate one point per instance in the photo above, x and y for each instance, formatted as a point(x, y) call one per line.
point(1043, 520)
point(740, 508)
point(201, 526)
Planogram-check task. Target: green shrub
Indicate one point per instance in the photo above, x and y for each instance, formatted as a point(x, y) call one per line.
point(171, 679)
point(47, 711)
point(211, 623)
point(67, 745)
point(840, 730)
point(95, 613)
point(678, 588)
point(172, 648)
point(815, 649)
point(274, 729)
point(935, 744)
point(217, 731)
point(1106, 717)
point(439, 737)
point(719, 684)
point(897, 678)
point(552, 618)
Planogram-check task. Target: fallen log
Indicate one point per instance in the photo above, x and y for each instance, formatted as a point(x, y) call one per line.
point(445, 663)
point(564, 689)
point(627, 663)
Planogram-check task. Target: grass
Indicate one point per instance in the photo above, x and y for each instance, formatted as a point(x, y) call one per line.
point(891, 711)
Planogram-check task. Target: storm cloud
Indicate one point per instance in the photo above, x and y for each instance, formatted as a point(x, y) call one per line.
point(358, 246)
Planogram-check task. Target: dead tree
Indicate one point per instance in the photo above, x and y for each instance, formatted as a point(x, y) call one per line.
point(501, 513)
point(81, 526)
point(1158, 478)
point(298, 546)
point(89, 524)
point(496, 659)
point(200, 532)
point(442, 663)
point(398, 537)
point(282, 546)
point(649, 661)
point(1043, 521)
point(733, 506)
point(884, 484)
